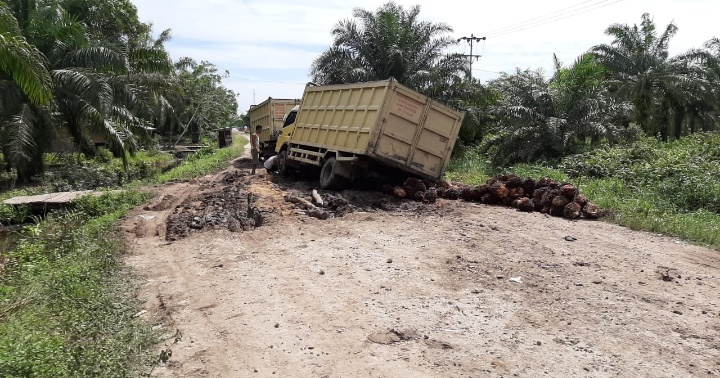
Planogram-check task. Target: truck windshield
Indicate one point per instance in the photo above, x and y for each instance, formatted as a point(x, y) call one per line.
point(290, 119)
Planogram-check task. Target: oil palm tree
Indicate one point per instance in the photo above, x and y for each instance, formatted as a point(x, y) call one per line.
point(390, 42)
point(113, 93)
point(703, 114)
point(541, 118)
point(80, 74)
point(660, 87)
point(94, 89)
point(25, 86)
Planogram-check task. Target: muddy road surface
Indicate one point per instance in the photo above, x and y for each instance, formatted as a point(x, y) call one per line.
point(246, 284)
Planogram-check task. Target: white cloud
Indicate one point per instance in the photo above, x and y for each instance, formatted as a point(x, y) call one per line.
point(238, 56)
point(275, 41)
point(254, 92)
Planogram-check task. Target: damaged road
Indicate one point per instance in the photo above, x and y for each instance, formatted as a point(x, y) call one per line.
point(386, 287)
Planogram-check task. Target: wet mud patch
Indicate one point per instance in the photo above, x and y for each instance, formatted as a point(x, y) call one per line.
point(349, 201)
point(341, 203)
point(338, 204)
point(225, 205)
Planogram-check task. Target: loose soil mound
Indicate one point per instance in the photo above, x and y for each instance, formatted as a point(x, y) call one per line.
point(218, 206)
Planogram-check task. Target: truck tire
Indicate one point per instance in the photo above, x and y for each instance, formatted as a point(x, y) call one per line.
point(282, 167)
point(328, 178)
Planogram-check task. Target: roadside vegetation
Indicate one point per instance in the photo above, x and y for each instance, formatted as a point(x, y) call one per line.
point(207, 160)
point(664, 187)
point(76, 75)
point(64, 304)
point(65, 308)
point(105, 172)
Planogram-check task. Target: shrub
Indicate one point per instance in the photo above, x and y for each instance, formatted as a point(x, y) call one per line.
point(681, 173)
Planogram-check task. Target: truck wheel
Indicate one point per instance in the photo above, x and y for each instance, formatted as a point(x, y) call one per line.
point(282, 167)
point(328, 178)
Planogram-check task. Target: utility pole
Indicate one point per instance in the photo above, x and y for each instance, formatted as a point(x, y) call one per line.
point(472, 38)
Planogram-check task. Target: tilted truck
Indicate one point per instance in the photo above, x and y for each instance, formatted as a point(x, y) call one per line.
point(353, 130)
point(269, 114)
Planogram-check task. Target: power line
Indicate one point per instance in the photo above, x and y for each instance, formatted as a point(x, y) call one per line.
point(556, 18)
point(541, 20)
point(536, 18)
point(550, 17)
point(482, 70)
point(483, 49)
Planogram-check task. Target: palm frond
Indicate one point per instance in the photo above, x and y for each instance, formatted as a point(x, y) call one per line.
point(164, 36)
point(19, 143)
point(186, 63)
point(8, 22)
point(150, 60)
point(101, 58)
point(26, 66)
point(77, 82)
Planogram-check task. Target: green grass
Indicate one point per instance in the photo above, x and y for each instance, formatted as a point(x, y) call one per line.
point(10, 214)
point(468, 167)
point(669, 188)
point(645, 210)
point(205, 161)
point(65, 308)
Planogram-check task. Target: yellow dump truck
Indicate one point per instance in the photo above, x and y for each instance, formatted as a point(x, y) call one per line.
point(269, 114)
point(351, 131)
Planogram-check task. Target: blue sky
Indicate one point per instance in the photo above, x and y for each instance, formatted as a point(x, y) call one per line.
point(269, 45)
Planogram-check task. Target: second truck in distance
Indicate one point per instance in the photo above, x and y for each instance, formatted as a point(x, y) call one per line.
point(270, 115)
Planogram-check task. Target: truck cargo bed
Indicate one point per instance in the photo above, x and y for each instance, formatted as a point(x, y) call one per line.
point(382, 120)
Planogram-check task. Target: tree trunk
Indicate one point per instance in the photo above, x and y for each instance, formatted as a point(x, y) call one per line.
point(642, 115)
point(663, 126)
point(692, 121)
point(195, 133)
point(678, 118)
point(8, 165)
point(704, 125)
point(82, 143)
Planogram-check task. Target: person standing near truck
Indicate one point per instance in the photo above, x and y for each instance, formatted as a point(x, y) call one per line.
point(255, 147)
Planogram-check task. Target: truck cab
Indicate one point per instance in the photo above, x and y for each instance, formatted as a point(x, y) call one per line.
point(284, 137)
point(269, 114)
point(287, 128)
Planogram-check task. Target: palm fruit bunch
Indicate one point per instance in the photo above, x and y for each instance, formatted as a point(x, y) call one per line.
point(545, 195)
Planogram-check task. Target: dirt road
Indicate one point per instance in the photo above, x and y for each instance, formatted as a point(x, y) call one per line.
point(392, 289)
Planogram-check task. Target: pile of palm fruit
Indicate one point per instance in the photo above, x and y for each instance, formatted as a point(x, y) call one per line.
point(525, 194)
